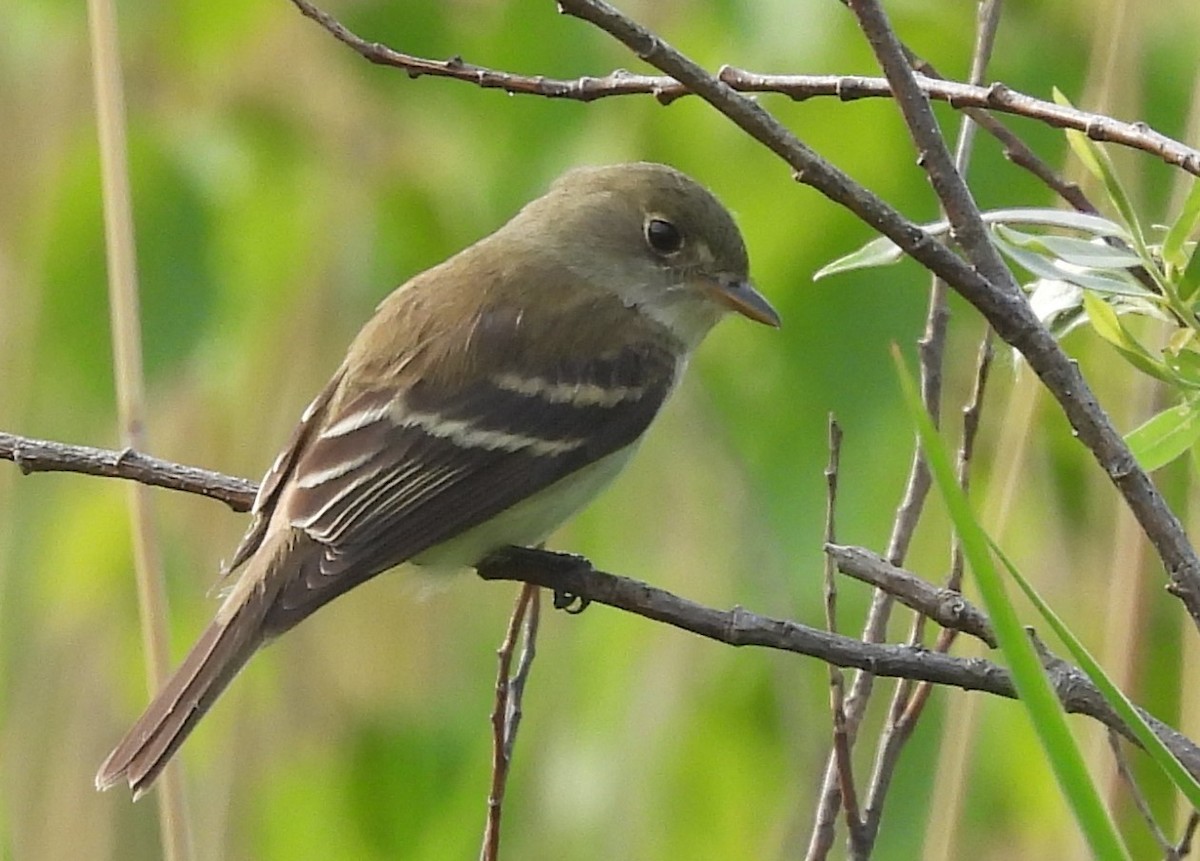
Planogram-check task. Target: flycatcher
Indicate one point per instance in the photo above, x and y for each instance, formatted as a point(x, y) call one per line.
point(485, 402)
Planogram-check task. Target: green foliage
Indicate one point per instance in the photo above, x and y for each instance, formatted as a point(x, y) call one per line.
point(1095, 280)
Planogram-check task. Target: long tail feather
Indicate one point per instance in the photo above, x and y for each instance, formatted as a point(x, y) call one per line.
point(212, 663)
point(242, 625)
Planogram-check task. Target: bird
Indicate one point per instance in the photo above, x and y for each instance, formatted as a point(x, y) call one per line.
point(485, 401)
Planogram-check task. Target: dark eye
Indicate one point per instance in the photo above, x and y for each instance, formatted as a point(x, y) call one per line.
point(663, 236)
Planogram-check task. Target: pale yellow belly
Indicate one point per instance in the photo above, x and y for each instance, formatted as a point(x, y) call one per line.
point(531, 520)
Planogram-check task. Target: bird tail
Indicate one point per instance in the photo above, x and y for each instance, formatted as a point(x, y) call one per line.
point(241, 626)
point(212, 663)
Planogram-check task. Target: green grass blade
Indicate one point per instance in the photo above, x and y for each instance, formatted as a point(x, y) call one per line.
point(1036, 695)
point(1152, 744)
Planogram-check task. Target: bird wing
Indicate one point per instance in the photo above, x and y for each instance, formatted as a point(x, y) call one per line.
point(387, 473)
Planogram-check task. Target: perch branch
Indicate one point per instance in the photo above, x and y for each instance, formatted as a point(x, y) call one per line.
point(737, 627)
point(37, 455)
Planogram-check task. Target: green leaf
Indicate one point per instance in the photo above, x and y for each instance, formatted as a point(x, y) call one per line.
point(1083, 222)
point(1185, 364)
point(877, 252)
point(1117, 283)
point(883, 252)
point(1070, 249)
point(1105, 321)
point(1189, 281)
point(1096, 160)
point(1108, 326)
point(1036, 696)
point(1183, 228)
point(1166, 436)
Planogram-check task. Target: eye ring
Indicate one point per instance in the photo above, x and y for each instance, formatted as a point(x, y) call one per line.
point(662, 236)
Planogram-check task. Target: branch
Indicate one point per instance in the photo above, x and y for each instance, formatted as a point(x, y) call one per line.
point(738, 627)
point(993, 97)
point(584, 89)
point(36, 455)
point(665, 88)
point(507, 710)
point(842, 764)
point(947, 607)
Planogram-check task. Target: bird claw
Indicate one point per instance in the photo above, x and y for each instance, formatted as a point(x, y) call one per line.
point(570, 602)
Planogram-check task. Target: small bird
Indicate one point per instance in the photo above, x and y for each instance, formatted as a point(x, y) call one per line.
point(485, 402)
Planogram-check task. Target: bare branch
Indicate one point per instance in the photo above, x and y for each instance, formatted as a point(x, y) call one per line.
point(506, 710)
point(996, 97)
point(909, 698)
point(1184, 848)
point(843, 764)
point(1139, 798)
point(585, 89)
point(739, 627)
point(36, 455)
point(947, 607)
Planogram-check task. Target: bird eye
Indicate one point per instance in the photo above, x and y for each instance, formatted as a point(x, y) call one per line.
point(663, 236)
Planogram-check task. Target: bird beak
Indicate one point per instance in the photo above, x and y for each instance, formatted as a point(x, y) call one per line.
point(740, 296)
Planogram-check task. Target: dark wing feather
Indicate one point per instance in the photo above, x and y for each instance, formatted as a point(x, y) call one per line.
point(408, 474)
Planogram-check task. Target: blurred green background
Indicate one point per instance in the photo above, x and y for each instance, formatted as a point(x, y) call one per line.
point(282, 186)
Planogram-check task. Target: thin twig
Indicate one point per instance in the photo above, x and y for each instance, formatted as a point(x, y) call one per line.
point(516, 698)
point(666, 89)
point(971, 415)
point(740, 627)
point(915, 703)
point(947, 607)
point(503, 709)
point(931, 350)
point(1139, 799)
point(121, 258)
point(1184, 847)
point(993, 97)
point(831, 487)
point(37, 455)
point(843, 764)
point(1013, 148)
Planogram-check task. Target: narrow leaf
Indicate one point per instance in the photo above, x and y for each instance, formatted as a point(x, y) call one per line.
point(1096, 160)
point(1078, 252)
point(1185, 364)
point(1183, 228)
point(1116, 282)
point(1108, 326)
point(1189, 281)
point(1165, 436)
point(878, 252)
